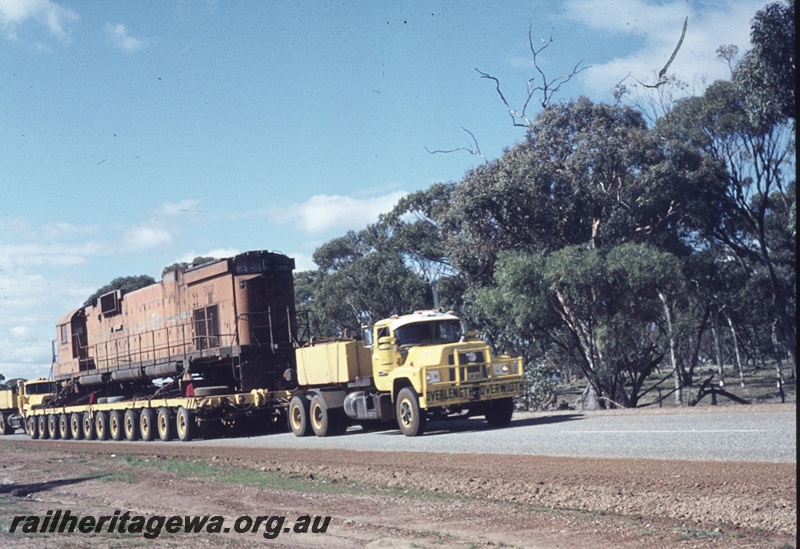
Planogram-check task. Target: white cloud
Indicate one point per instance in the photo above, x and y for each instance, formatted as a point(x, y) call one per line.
point(657, 27)
point(55, 17)
point(327, 212)
point(46, 254)
point(146, 238)
point(122, 39)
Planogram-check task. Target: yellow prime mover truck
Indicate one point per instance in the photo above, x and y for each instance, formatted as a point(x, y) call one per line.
point(407, 368)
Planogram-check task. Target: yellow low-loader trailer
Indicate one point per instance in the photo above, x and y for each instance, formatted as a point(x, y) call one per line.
point(406, 369)
point(138, 419)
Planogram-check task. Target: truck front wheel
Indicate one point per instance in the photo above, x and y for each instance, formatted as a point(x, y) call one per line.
point(410, 418)
point(298, 416)
point(499, 412)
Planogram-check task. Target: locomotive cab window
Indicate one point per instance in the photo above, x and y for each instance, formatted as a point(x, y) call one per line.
point(206, 328)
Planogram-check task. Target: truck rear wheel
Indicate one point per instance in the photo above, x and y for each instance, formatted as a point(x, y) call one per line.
point(75, 426)
point(298, 416)
point(5, 428)
point(115, 425)
point(147, 424)
point(131, 423)
point(498, 412)
point(101, 425)
point(32, 426)
point(184, 424)
point(324, 421)
point(88, 426)
point(164, 422)
point(410, 418)
point(63, 426)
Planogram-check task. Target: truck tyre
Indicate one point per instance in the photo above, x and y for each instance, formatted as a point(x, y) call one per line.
point(75, 426)
point(32, 426)
point(324, 421)
point(131, 423)
point(41, 425)
point(165, 424)
point(298, 416)
point(147, 424)
point(498, 412)
point(101, 425)
point(52, 426)
point(63, 426)
point(5, 428)
point(88, 426)
point(410, 418)
point(184, 424)
point(115, 425)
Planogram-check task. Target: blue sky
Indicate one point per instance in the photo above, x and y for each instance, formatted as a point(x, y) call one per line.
point(135, 135)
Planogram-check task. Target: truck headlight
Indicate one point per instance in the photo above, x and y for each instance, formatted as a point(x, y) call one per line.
point(433, 376)
point(501, 369)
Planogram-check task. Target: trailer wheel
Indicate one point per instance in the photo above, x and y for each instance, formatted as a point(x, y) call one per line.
point(32, 426)
point(131, 423)
point(410, 418)
point(298, 416)
point(147, 424)
point(63, 426)
point(75, 427)
point(5, 428)
point(184, 424)
point(52, 426)
point(165, 423)
point(41, 425)
point(101, 425)
point(498, 412)
point(88, 426)
point(115, 425)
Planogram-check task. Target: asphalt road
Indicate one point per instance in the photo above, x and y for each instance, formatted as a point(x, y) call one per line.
point(742, 433)
point(701, 434)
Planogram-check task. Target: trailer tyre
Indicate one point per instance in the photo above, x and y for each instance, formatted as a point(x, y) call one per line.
point(410, 418)
point(115, 425)
point(52, 426)
point(184, 424)
point(147, 424)
point(101, 426)
point(32, 426)
point(131, 425)
point(63, 427)
point(298, 416)
point(41, 425)
point(88, 426)
point(165, 424)
point(5, 428)
point(75, 426)
point(499, 412)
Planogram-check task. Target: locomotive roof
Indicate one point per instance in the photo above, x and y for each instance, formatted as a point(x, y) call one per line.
point(67, 318)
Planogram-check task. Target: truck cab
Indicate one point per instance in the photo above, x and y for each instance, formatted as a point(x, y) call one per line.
point(431, 365)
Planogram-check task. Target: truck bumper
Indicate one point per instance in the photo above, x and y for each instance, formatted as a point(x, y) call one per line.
point(466, 393)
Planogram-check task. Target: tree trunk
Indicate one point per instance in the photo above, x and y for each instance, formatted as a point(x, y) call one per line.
point(672, 361)
point(736, 350)
point(717, 348)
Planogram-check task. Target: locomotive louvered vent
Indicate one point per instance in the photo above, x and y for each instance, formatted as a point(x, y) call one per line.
point(110, 303)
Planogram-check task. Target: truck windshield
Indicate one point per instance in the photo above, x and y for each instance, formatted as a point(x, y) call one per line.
point(40, 388)
point(428, 333)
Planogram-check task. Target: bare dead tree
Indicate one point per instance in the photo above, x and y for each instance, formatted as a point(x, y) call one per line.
point(662, 74)
point(546, 88)
point(473, 149)
point(540, 85)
